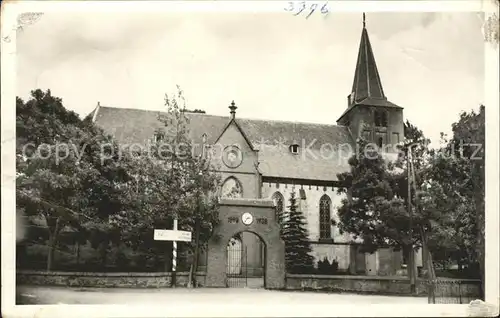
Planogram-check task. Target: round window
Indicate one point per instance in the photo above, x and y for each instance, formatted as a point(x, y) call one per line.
point(232, 156)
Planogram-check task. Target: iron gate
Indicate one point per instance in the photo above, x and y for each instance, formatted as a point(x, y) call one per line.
point(236, 269)
point(450, 291)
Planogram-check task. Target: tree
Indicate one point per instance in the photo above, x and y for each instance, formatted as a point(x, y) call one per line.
point(372, 211)
point(297, 245)
point(172, 181)
point(455, 192)
point(61, 175)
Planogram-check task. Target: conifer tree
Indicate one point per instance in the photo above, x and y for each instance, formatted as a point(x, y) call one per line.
point(297, 246)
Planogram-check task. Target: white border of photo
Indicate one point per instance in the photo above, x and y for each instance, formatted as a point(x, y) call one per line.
point(10, 11)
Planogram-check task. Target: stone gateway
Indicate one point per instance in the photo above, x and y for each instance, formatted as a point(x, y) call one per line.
point(246, 215)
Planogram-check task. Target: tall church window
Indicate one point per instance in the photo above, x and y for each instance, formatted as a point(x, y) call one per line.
point(231, 188)
point(278, 205)
point(380, 118)
point(381, 139)
point(325, 217)
point(380, 142)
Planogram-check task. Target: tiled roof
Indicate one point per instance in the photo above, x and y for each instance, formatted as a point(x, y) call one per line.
point(318, 159)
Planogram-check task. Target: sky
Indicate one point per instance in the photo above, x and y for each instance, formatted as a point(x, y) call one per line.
point(274, 65)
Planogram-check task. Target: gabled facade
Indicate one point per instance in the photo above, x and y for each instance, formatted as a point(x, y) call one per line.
point(270, 159)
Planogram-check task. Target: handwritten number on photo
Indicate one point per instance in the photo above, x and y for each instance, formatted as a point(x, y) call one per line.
point(313, 8)
point(302, 6)
point(324, 8)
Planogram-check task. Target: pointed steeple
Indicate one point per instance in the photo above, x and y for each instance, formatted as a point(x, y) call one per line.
point(366, 82)
point(367, 87)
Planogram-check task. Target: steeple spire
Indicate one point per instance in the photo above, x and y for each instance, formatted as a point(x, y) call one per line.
point(367, 82)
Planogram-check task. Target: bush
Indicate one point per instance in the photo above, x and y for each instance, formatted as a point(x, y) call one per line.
point(327, 268)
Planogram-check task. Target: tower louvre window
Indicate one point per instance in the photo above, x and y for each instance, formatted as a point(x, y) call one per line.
point(158, 137)
point(380, 118)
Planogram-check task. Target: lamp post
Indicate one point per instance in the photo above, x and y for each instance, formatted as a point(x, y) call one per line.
point(411, 267)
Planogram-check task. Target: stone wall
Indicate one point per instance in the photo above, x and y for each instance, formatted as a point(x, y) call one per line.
point(126, 280)
point(375, 285)
point(468, 289)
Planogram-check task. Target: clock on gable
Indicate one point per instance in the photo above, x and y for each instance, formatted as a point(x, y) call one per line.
point(232, 156)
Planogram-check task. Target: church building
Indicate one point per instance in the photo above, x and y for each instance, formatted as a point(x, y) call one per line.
point(271, 159)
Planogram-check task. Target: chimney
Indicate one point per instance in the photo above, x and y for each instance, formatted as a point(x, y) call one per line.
point(96, 110)
point(233, 109)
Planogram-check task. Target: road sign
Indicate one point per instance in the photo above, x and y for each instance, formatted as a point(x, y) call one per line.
point(172, 235)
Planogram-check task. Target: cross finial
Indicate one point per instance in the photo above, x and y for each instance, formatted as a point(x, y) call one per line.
point(364, 20)
point(233, 109)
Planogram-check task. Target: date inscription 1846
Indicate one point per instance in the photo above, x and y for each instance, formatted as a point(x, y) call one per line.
point(233, 219)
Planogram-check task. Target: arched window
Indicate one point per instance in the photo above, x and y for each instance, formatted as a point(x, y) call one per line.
point(278, 205)
point(325, 217)
point(231, 188)
point(380, 142)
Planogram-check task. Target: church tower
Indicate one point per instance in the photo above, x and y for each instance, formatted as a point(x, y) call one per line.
point(369, 114)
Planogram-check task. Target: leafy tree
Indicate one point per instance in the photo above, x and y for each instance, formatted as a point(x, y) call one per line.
point(61, 176)
point(372, 211)
point(172, 181)
point(455, 192)
point(297, 245)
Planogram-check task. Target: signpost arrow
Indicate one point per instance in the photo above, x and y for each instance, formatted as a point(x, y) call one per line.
point(172, 235)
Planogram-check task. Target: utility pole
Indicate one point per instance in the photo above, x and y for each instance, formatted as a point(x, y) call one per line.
point(194, 267)
point(426, 253)
point(411, 266)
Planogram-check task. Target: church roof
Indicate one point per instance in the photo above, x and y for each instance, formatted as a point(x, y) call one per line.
point(320, 156)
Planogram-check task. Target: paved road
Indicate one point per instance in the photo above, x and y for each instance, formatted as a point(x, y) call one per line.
point(66, 295)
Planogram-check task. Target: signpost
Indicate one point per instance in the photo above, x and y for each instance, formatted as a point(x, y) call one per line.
point(173, 235)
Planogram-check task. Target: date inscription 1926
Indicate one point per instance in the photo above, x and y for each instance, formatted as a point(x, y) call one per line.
point(262, 220)
point(306, 7)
